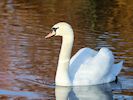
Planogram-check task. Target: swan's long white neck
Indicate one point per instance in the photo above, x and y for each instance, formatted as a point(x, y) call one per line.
point(62, 75)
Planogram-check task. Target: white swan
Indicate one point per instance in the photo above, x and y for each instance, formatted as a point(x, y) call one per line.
point(87, 66)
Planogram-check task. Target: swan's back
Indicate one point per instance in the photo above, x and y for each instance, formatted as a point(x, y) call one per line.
point(89, 67)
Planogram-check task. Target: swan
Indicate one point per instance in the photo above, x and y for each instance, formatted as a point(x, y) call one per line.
point(87, 66)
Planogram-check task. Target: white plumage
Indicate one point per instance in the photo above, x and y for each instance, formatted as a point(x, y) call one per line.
point(87, 66)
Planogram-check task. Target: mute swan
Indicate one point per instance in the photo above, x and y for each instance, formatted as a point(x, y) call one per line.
point(87, 66)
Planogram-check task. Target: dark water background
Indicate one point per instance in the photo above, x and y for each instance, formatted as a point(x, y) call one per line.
point(28, 61)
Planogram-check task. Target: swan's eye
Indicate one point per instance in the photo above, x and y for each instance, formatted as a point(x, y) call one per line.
point(54, 29)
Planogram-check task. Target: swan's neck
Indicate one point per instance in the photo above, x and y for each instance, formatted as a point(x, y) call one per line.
point(62, 74)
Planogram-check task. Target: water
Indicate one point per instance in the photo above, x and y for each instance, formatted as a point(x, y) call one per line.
point(28, 61)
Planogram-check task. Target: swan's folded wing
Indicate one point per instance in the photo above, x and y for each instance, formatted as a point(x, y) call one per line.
point(80, 58)
point(93, 67)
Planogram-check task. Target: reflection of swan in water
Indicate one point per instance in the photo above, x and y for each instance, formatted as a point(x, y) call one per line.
point(96, 92)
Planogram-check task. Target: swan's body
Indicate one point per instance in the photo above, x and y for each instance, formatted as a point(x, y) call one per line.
point(87, 66)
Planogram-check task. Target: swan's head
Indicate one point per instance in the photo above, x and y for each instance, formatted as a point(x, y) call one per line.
point(61, 29)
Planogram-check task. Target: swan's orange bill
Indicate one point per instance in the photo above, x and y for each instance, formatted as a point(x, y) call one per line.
point(49, 35)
